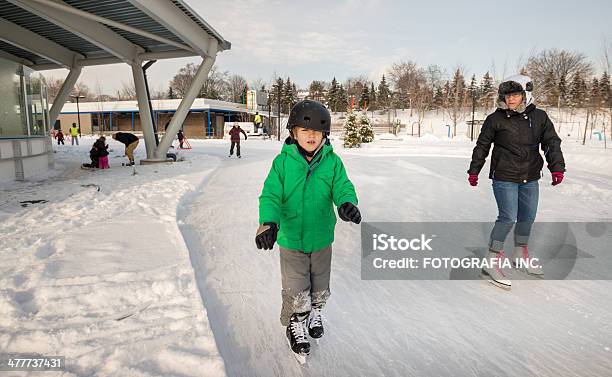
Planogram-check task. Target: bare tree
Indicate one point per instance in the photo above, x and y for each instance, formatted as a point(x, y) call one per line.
point(81, 89)
point(181, 82)
point(53, 87)
point(434, 75)
point(354, 88)
point(235, 87)
point(127, 91)
point(407, 78)
point(215, 84)
point(159, 93)
point(557, 65)
point(457, 99)
point(258, 84)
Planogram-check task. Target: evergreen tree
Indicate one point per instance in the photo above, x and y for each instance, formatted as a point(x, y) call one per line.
point(171, 94)
point(366, 133)
point(287, 99)
point(562, 92)
point(383, 94)
point(551, 89)
point(277, 88)
point(342, 102)
point(604, 91)
point(352, 138)
point(446, 89)
point(373, 104)
point(332, 96)
point(457, 88)
point(243, 95)
point(577, 92)
point(594, 95)
point(364, 99)
point(294, 94)
point(473, 90)
point(438, 99)
point(487, 92)
point(316, 90)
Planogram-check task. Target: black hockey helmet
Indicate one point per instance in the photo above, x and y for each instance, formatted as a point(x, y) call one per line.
point(310, 114)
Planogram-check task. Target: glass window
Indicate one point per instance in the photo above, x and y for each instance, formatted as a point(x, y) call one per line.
point(12, 119)
point(36, 105)
point(23, 101)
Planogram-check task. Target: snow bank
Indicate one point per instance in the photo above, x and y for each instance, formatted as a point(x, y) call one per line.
point(103, 277)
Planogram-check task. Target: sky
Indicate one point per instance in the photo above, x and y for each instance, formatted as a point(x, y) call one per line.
point(317, 40)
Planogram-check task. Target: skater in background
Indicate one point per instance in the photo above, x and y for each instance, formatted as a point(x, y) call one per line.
point(235, 139)
point(518, 130)
point(130, 141)
point(60, 137)
point(296, 209)
point(181, 136)
point(74, 134)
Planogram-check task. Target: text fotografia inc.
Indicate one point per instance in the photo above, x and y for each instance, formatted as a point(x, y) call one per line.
point(448, 262)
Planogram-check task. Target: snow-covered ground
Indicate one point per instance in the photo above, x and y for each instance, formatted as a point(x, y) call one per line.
point(157, 273)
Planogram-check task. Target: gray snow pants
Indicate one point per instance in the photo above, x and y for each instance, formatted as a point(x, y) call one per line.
point(305, 280)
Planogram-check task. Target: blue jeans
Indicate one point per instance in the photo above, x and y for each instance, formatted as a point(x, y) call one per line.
point(516, 202)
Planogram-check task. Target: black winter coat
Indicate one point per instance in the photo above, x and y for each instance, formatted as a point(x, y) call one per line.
point(517, 139)
point(126, 138)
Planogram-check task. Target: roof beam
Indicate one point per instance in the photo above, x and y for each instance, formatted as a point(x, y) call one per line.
point(17, 59)
point(173, 19)
point(118, 25)
point(36, 44)
point(114, 60)
point(93, 32)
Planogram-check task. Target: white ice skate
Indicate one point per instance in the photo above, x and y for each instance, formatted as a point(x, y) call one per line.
point(523, 262)
point(494, 273)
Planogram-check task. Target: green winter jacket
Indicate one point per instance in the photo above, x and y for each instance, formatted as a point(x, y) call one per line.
point(299, 197)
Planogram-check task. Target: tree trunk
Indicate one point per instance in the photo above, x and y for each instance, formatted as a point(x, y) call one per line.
point(586, 123)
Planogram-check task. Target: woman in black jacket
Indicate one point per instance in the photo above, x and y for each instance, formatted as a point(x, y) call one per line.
point(518, 130)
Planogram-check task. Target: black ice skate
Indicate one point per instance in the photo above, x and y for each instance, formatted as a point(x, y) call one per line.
point(315, 323)
point(296, 336)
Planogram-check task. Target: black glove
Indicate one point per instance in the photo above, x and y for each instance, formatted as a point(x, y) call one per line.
point(349, 212)
point(266, 236)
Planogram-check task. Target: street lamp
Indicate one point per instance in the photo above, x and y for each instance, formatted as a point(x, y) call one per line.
point(78, 111)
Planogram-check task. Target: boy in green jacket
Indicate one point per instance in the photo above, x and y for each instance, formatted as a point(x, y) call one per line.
point(296, 205)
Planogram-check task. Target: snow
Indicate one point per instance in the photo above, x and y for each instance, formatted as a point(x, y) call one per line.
point(171, 251)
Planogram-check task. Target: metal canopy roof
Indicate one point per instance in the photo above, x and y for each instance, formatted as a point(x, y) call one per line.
point(49, 34)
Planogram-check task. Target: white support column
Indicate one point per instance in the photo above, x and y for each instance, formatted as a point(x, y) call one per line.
point(181, 113)
point(144, 110)
point(64, 93)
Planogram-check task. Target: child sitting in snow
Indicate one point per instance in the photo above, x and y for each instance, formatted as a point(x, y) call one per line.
point(102, 152)
point(296, 204)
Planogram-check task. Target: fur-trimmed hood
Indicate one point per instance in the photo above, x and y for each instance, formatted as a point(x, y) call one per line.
point(525, 83)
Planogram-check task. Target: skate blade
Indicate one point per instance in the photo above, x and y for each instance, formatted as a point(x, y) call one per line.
point(503, 286)
point(299, 357)
point(530, 274)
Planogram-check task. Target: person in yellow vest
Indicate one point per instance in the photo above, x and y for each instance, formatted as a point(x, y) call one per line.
point(74, 134)
point(257, 121)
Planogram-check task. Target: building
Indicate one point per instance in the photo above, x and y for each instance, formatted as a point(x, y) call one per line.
point(36, 35)
point(206, 118)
